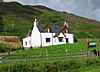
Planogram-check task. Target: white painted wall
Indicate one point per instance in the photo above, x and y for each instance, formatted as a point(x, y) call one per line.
point(38, 39)
point(61, 35)
point(27, 42)
point(35, 36)
point(55, 41)
point(47, 35)
point(70, 38)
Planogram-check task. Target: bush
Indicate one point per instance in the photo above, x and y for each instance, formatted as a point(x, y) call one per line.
point(3, 48)
point(50, 67)
point(58, 66)
point(51, 18)
point(1, 24)
point(75, 39)
point(7, 48)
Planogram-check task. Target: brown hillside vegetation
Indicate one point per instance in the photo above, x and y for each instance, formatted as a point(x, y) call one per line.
point(11, 41)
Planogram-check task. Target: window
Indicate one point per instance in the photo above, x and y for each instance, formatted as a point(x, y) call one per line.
point(47, 39)
point(66, 31)
point(26, 43)
point(60, 39)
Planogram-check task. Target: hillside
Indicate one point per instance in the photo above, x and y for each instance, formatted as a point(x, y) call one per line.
point(18, 19)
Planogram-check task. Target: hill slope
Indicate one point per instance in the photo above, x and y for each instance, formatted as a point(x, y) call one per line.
point(18, 19)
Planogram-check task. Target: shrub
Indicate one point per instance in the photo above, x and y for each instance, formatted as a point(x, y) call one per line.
point(1, 24)
point(3, 48)
point(57, 66)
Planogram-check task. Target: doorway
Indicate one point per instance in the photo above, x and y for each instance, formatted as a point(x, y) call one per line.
point(66, 40)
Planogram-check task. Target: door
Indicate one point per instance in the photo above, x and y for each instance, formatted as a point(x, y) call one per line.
point(66, 40)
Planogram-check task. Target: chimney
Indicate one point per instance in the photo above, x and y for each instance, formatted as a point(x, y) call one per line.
point(66, 24)
point(35, 22)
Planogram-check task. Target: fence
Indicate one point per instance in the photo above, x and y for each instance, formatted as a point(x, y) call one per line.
point(86, 39)
point(44, 57)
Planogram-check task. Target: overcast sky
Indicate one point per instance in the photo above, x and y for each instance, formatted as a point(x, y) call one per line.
point(85, 8)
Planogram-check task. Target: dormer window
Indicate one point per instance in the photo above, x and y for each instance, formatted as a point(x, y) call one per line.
point(47, 28)
point(66, 31)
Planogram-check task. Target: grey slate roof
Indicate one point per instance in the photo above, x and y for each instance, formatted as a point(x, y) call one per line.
point(40, 27)
point(54, 28)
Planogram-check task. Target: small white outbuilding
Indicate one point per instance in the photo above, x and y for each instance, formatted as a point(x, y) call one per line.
point(46, 35)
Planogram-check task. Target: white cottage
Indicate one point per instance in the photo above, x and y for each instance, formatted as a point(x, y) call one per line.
point(45, 35)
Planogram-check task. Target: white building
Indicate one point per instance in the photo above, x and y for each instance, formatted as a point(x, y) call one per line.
point(45, 35)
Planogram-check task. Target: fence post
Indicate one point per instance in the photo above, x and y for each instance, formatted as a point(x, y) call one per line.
point(97, 48)
point(66, 51)
point(47, 54)
point(87, 47)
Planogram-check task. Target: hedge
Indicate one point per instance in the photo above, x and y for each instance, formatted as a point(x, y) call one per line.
point(50, 66)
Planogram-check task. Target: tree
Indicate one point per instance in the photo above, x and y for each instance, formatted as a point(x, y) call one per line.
point(51, 18)
point(1, 24)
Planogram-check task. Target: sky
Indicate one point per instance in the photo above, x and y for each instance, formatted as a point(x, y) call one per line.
point(86, 8)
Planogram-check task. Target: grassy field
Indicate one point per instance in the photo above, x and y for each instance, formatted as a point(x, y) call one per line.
point(57, 49)
point(36, 60)
point(68, 65)
point(51, 51)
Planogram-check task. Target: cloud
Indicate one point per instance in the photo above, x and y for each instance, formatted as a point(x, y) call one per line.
point(86, 8)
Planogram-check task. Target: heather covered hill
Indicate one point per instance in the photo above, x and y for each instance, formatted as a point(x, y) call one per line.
point(18, 19)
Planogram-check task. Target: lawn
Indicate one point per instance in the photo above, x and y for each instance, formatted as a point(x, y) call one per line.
point(36, 59)
point(51, 51)
point(59, 49)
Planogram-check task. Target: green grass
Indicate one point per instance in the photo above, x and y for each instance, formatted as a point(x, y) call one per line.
point(72, 48)
point(51, 51)
point(68, 65)
point(58, 50)
point(23, 16)
point(81, 64)
point(92, 68)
